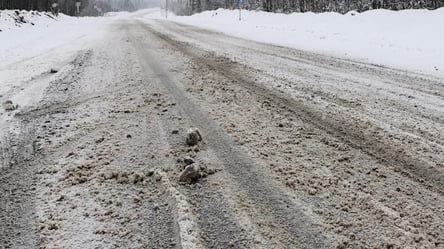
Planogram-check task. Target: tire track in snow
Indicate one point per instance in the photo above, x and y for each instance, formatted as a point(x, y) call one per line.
point(419, 169)
point(289, 217)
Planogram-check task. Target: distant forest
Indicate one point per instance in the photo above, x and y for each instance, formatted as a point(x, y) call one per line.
point(87, 7)
point(188, 7)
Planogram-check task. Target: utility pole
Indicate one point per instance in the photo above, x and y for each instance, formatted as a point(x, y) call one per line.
point(239, 2)
point(55, 9)
point(78, 9)
point(166, 9)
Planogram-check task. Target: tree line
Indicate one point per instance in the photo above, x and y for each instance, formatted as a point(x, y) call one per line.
point(41, 5)
point(87, 7)
point(187, 7)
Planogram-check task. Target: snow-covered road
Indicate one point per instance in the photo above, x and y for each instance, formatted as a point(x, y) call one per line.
point(300, 149)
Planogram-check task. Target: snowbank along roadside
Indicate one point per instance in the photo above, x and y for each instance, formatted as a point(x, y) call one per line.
point(13, 19)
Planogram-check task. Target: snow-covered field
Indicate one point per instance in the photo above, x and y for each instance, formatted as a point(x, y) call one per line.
point(409, 39)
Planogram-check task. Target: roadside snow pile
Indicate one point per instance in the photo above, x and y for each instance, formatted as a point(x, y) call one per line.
point(11, 19)
point(409, 39)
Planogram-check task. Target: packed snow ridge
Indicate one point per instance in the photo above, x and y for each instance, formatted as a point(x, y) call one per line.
point(408, 39)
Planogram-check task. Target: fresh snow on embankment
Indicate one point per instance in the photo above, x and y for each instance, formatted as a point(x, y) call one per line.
point(13, 19)
point(408, 39)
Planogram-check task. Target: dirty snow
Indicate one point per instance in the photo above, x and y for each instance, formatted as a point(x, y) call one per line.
point(409, 39)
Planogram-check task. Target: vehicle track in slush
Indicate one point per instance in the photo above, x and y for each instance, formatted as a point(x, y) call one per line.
point(344, 162)
point(293, 226)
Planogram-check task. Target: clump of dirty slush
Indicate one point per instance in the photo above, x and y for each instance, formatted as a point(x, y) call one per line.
point(192, 170)
point(190, 174)
point(193, 137)
point(8, 105)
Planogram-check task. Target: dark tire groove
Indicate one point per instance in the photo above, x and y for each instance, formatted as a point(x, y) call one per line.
point(18, 224)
